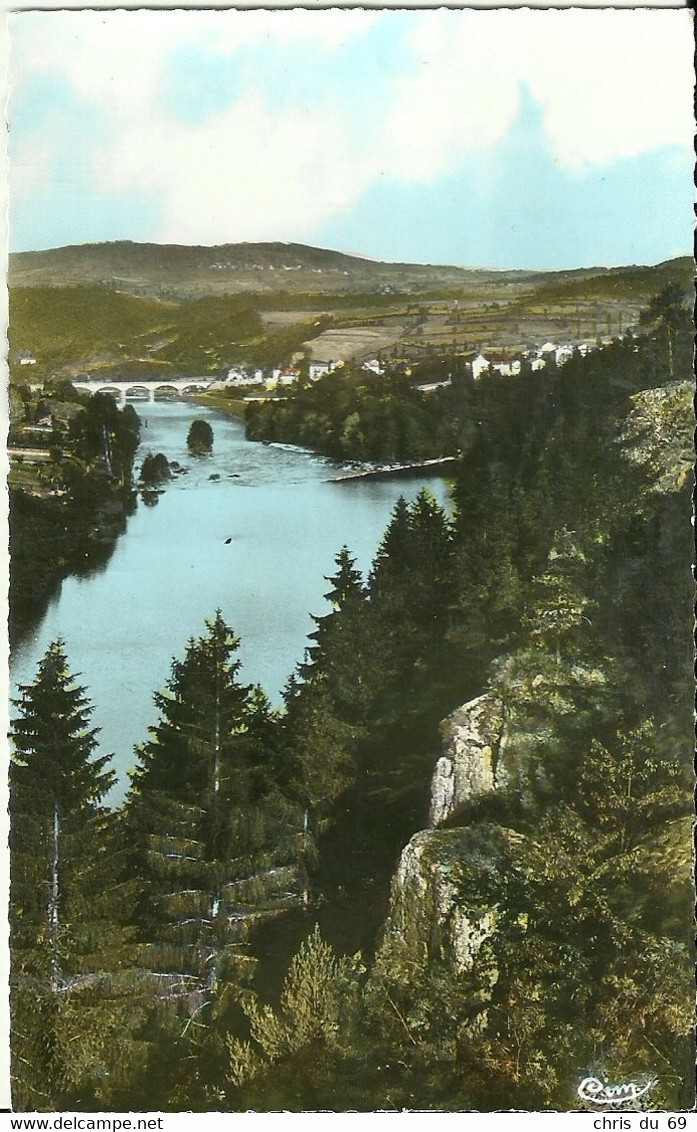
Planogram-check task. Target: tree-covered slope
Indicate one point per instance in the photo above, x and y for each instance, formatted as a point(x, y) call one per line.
point(127, 308)
point(536, 928)
point(181, 269)
point(541, 932)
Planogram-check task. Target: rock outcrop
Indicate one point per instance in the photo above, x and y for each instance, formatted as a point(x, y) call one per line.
point(447, 891)
point(471, 765)
point(658, 434)
point(444, 906)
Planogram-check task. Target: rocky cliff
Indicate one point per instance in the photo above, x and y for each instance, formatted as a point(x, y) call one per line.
point(445, 893)
point(472, 764)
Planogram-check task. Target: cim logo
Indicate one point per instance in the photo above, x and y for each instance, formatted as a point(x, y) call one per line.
point(595, 1092)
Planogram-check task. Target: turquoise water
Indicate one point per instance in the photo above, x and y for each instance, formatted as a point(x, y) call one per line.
point(174, 567)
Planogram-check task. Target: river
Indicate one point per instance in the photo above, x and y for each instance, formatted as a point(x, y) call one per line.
point(255, 543)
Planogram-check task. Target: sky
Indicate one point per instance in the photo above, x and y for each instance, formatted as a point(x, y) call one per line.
point(499, 138)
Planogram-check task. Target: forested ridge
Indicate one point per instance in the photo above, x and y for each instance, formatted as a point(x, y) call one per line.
point(147, 941)
point(66, 514)
point(352, 415)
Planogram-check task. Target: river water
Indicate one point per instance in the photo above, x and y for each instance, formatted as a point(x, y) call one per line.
point(255, 543)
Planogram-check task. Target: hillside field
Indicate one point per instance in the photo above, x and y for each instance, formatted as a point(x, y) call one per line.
point(123, 310)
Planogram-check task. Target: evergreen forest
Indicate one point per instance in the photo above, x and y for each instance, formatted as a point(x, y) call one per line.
point(79, 498)
point(273, 920)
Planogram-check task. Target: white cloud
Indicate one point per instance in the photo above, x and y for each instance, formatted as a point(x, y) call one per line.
point(610, 84)
point(106, 58)
point(31, 162)
point(462, 94)
point(119, 57)
point(613, 84)
point(246, 175)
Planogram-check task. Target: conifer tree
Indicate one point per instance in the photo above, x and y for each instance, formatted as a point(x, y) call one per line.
point(559, 608)
point(488, 572)
point(70, 901)
point(413, 565)
point(319, 1011)
point(57, 787)
point(330, 704)
point(335, 656)
point(430, 564)
point(668, 311)
point(218, 843)
point(393, 551)
point(412, 592)
point(559, 682)
point(594, 965)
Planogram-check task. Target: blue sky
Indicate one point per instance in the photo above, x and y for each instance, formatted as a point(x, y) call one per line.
point(528, 138)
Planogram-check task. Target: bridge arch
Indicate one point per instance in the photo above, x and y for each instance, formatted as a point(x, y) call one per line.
point(114, 391)
point(135, 393)
point(164, 389)
point(155, 388)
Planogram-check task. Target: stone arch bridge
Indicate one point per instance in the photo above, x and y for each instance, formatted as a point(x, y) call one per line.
point(145, 390)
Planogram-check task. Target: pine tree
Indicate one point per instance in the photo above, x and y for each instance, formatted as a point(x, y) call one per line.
point(413, 565)
point(559, 608)
point(330, 703)
point(594, 964)
point(219, 845)
point(319, 1012)
point(488, 585)
point(393, 551)
point(412, 592)
point(668, 312)
point(336, 656)
point(430, 562)
point(57, 787)
point(70, 901)
point(321, 748)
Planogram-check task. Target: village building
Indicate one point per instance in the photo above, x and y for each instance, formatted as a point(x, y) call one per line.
point(320, 368)
point(480, 364)
point(563, 354)
point(373, 366)
point(285, 376)
point(238, 376)
point(504, 365)
point(508, 369)
point(432, 386)
point(548, 351)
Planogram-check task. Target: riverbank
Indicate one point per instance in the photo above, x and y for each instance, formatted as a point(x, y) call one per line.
point(223, 404)
point(385, 471)
point(255, 543)
point(53, 538)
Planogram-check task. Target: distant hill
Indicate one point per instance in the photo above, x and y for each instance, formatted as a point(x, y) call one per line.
point(173, 271)
point(125, 309)
point(623, 283)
